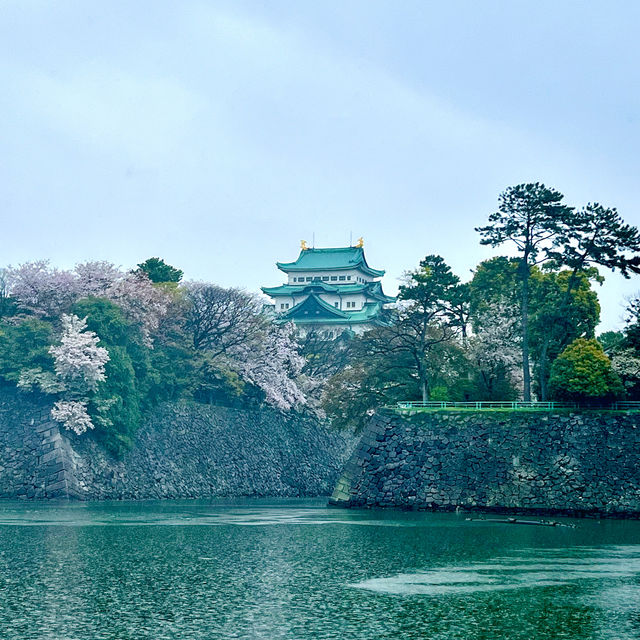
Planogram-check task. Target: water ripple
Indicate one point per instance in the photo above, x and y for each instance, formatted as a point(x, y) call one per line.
point(547, 568)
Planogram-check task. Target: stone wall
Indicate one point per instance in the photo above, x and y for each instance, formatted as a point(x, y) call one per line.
point(183, 451)
point(580, 464)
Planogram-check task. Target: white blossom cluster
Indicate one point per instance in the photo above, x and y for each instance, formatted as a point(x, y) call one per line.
point(79, 365)
point(626, 364)
point(273, 365)
point(47, 291)
point(73, 415)
point(496, 344)
point(79, 361)
point(44, 381)
point(226, 324)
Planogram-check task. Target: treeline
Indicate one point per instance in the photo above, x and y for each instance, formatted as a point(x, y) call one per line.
point(522, 328)
point(107, 344)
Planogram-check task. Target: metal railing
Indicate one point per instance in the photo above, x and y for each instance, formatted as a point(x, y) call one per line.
point(513, 405)
point(626, 405)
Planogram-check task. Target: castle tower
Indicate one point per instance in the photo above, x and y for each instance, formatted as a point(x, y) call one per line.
point(331, 289)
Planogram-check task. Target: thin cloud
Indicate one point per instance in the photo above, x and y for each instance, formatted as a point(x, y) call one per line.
point(115, 111)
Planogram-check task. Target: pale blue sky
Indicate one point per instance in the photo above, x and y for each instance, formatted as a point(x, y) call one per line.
point(218, 134)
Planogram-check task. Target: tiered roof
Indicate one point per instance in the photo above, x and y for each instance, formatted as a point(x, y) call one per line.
point(334, 259)
point(314, 310)
point(370, 289)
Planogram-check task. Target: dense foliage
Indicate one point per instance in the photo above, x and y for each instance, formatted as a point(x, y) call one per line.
point(108, 344)
point(157, 270)
point(583, 372)
point(499, 336)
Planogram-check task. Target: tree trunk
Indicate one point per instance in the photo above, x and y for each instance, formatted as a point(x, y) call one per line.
point(526, 373)
point(425, 395)
point(562, 311)
point(542, 371)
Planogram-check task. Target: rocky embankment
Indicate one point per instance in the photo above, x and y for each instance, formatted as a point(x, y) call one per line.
point(580, 464)
point(182, 451)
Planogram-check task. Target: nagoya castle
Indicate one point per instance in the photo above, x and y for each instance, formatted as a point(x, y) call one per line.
point(331, 290)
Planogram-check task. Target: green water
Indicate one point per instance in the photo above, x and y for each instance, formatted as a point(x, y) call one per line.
point(297, 570)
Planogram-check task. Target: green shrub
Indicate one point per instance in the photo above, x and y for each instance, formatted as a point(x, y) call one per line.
point(24, 346)
point(583, 373)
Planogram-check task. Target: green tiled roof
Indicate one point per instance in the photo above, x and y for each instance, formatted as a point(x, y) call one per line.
point(330, 260)
point(314, 310)
point(371, 289)
point(298, 289)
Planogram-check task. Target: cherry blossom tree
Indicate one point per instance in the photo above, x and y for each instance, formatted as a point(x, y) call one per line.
point(41, 289)
point(96, 278)
point(274, 365)
point(626, 363)
point(228, 325)
point(142, 303)
point(495, 347)
point(73, 415)
point(78, 360)
point(223, 326)
point(45, 291)
point(80, 367)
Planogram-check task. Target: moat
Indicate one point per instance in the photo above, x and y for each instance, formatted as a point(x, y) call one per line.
point(298, 570)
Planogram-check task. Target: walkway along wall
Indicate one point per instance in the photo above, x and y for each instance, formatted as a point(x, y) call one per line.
point(574, 464)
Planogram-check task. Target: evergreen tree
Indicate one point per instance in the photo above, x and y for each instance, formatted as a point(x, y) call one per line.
point(425, 316)
point(532, 217)
point(595, 236)
point(583, 373)
point(157, 270)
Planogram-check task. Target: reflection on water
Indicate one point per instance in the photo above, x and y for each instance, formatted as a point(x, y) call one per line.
point(85, 517)
point(297, 570)
point(543, 569)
